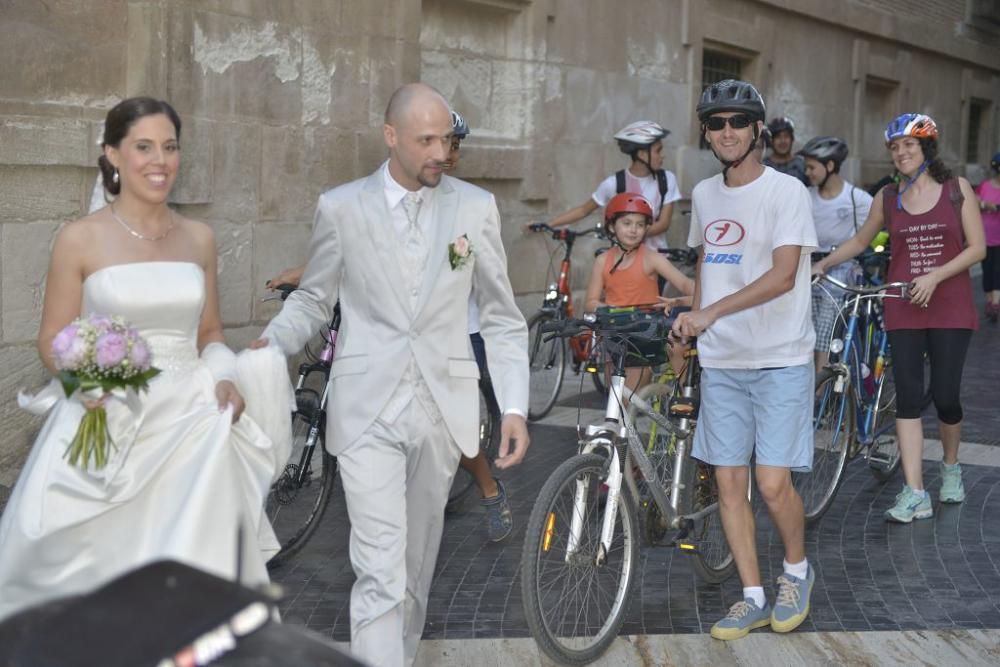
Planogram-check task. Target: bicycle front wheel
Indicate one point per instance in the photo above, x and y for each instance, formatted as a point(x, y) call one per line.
point(298, 499)
point(833, 429)
point(547, 366)
point(575, 600)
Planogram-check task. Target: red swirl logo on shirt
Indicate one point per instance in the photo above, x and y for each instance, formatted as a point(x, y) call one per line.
point(724, 232)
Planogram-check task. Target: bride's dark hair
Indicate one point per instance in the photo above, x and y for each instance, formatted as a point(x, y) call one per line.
point(117, 124)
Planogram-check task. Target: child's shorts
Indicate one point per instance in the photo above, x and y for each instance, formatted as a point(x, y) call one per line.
point(746, 410)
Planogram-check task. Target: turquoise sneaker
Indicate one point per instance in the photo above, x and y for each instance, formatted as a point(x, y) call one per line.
point(792, 604)
point(909, 506)
point(952, 489)
point(742, 618)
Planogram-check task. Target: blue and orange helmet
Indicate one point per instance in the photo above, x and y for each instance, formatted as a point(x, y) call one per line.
point(916, 125)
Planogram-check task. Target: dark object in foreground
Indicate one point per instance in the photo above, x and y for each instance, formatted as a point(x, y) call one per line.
point(152, 614)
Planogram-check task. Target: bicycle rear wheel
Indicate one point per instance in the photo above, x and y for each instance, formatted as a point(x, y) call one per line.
point(298, 499)
point(547, 366)
point(489, 442)
point(883, 456)
point(575, 605)
point(833, 430)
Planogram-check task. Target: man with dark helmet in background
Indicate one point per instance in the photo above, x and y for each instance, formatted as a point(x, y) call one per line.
point(781, 158)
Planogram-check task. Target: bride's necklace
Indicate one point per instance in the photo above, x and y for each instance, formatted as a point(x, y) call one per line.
point(128, 228)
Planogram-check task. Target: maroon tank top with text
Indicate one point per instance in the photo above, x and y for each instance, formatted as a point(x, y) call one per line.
point(919, 244)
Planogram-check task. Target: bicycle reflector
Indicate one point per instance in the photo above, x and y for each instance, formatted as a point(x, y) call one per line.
point(550, 529)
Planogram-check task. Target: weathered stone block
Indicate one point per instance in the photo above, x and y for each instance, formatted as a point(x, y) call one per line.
point(195, 180)
point(277, 246)
point(25, 253)
point(32, 140)
point(246, 68)
point(21, 370)
point(236, 288)
point(41, 193)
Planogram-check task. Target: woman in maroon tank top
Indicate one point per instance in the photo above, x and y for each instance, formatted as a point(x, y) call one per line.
point(935, 235)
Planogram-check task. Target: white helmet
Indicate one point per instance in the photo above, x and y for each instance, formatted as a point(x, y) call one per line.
point(638, 135)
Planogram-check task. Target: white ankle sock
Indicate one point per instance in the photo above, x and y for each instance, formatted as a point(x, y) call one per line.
point(755, 593)
point(797, 570)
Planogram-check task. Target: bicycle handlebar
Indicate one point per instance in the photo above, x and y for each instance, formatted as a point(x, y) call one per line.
point(879, 290)
point(564, 234)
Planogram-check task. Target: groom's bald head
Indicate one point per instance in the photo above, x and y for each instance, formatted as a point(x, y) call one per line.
point(410, 98)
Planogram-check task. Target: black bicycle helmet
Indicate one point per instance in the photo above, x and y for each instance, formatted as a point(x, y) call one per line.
point(781, 124)
point(460, 129)
point(730, 95)
point(826, 149)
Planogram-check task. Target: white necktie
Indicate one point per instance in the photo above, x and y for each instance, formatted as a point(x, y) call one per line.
point(413, 238)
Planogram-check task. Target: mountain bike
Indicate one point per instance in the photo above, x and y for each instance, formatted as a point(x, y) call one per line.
point(298, 499)
point(548, 358)
point(581, 548)
point(855, 403)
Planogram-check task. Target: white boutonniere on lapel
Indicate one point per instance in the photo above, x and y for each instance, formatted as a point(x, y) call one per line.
point(459, 252)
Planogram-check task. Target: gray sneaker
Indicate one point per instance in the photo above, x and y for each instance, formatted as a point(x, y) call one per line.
point(952, 489)
point(792, 604)
point(499, 520)
point(909, 506)
point(743, 617)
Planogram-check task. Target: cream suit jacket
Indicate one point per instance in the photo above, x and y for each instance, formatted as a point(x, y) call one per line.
point(352, 259)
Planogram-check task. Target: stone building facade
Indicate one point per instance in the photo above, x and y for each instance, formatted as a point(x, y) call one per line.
point(282, 99)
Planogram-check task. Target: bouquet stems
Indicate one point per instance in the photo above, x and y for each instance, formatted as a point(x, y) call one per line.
point(91, 440)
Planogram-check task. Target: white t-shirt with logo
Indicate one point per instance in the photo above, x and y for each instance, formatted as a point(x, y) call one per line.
point(835, 218)
point(649, 188)
point(740, 227)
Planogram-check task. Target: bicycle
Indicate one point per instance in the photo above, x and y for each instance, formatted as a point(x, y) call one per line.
point(548, 358)
point(855, 399)
point(297, 501)
point(581, 547)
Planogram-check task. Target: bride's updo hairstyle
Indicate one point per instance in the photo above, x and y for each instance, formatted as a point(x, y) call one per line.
point(120, 120)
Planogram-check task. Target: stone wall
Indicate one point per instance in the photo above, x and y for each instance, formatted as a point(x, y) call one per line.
point(281, 100)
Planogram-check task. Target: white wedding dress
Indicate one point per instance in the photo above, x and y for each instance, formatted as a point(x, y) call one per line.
point(182, 483)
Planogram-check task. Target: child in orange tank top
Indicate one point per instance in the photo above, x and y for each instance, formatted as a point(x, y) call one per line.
point(626, 274)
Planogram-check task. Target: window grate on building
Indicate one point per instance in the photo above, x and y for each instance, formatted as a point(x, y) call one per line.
point(715, 67)
point(977, 111)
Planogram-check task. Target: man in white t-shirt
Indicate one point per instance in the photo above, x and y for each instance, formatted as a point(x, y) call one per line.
point(751, 314)
point(642, 141)
point(839, 209)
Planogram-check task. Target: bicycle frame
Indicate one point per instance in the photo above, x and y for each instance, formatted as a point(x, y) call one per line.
point(617, 429)
point(849, 369)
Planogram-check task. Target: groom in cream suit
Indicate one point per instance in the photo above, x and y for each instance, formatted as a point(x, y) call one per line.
point(404, 400)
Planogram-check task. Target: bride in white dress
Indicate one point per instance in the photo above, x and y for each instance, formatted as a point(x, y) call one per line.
point(190, 472)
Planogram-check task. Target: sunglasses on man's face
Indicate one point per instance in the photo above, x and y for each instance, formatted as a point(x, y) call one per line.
point(737, 122)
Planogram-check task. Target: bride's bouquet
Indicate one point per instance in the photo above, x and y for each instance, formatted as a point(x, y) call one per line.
point(99, 355)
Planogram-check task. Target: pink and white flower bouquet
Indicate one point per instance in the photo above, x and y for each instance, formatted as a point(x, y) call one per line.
point(98, 355)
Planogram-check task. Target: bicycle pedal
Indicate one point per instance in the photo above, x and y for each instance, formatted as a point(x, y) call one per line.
point(680, 538)
point(683, 407)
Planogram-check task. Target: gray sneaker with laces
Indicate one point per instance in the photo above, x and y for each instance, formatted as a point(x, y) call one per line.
point(792, 604)
point(743, 617)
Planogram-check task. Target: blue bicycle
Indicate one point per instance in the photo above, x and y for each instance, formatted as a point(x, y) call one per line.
point(855, 404)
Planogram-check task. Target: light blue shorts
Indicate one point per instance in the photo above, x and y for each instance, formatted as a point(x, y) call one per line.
point(764, 411)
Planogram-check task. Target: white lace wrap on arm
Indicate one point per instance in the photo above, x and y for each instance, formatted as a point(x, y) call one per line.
point(220, 361)
point(262, 378)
